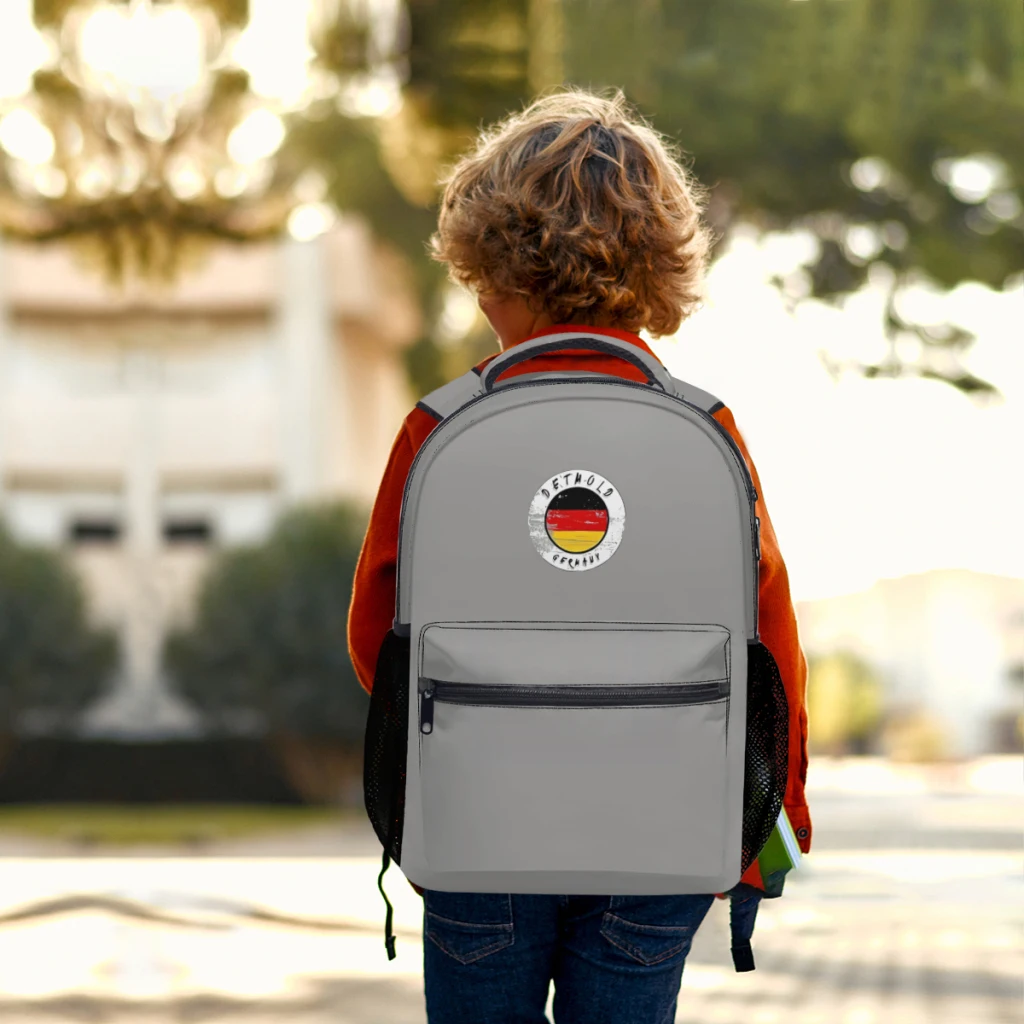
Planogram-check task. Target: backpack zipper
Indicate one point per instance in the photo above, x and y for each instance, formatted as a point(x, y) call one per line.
point(533, 696)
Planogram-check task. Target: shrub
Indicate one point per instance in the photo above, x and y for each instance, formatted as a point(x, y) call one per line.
point(844, 704)
point(53, 664)
point(268, 642)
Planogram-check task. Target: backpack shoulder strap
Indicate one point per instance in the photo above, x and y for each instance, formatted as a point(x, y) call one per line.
point(450, 397)
point(695, 396)
point(742, 913)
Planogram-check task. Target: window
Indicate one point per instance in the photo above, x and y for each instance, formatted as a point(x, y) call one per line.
point(94, 530)
point(188, 531)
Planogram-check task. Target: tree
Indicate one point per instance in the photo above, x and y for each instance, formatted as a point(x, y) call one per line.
point(844, 703)
point(268, 636)
point(53, 664)
point(893, 130)
point(126, 174)
point(465, 62)
point(267, 648)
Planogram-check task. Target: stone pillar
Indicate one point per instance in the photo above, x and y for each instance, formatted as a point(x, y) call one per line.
point(142, 626)
point(305, 332)
point(4, 330)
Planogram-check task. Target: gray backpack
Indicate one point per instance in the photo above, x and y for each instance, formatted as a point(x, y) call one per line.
point(573, 697)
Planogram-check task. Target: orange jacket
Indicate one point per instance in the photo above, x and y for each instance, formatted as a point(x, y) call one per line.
point(373, 594)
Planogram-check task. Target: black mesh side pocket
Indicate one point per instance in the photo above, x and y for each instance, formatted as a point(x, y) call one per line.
point(767, 754)
point(386, 744)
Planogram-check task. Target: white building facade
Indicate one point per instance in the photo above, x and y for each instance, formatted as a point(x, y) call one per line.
point(948, 641)
point(141, 431)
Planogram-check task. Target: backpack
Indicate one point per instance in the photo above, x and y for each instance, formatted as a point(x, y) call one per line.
point(573, 697)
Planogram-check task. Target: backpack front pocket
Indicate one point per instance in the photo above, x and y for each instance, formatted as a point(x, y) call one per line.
point(574, 747)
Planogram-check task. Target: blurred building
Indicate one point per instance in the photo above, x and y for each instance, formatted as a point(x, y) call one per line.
point(142, 430)
point(949, 642)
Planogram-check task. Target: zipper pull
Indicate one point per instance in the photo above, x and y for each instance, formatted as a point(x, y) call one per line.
point(757, 521)
point(427, 709)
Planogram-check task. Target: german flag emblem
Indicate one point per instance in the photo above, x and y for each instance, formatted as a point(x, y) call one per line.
point(576, 519)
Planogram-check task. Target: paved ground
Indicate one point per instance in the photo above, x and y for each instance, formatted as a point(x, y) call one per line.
point(909, 911)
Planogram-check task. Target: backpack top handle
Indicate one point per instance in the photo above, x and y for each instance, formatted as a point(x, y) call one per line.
point(655, 373)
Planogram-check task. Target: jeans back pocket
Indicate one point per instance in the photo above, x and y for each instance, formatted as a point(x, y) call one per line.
point(653, 930)
point(468, 926)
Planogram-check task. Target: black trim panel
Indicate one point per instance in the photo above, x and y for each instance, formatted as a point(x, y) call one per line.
point(430, 412)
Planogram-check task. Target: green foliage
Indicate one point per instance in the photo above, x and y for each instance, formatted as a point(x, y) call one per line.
point(348, 153)
point(269, 634)
point(469, 63)
point(776, 101)
point(145, 227)
point(841, 118)
point(844, 703)
point(469, 59)
point(823, 115)
point(52, 663)
point(48, 13)
point(125, 825)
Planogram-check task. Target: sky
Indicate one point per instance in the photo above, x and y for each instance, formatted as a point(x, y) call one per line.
point(863, 479)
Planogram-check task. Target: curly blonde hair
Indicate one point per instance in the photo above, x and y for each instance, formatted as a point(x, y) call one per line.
point(579, 206)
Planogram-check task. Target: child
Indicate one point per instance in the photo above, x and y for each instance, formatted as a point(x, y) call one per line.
point(573, 215)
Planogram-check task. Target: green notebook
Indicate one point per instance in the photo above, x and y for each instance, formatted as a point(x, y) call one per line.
point(781, 852)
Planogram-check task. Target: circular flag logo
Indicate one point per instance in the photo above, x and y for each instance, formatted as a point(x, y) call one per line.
point(576, 520)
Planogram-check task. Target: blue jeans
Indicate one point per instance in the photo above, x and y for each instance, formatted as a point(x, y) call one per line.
point(489, 958)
